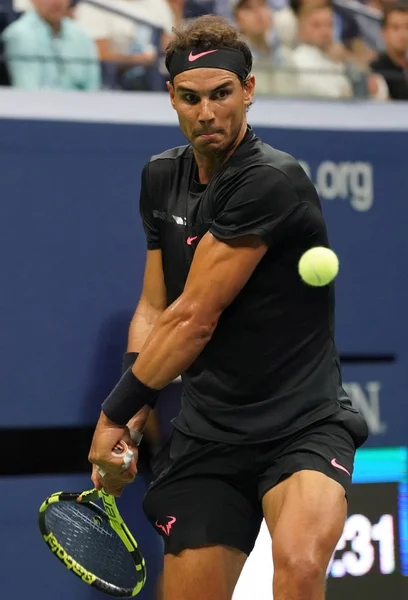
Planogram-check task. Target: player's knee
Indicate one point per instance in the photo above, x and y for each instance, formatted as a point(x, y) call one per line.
point(300, 567)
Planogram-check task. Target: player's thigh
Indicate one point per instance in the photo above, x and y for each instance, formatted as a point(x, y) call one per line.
point(304, 490)
point(198, 512)
point(205, 573)
point(305, 515)
point(205, 505)
point(208, 528)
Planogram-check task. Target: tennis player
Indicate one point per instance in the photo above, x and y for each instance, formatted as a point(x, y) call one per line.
point(265, 428)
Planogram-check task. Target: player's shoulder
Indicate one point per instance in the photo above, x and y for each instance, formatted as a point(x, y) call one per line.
point(169, 158)
point(276, 162)
point(162, 168)
point(268, 165)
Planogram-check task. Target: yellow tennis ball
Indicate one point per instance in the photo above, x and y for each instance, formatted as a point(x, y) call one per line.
point(318, 266)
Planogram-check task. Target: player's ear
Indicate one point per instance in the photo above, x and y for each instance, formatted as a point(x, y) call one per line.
point(172, 93)
point(249, 88)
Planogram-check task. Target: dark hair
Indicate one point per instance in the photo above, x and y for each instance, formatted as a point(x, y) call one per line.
point(206, 33)
point(297, 5)
point(392, 8)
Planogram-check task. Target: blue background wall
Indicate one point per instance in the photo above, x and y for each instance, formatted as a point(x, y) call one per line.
point(72, 253)
point(71, 260)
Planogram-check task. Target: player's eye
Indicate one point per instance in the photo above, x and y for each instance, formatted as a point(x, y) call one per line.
point(190, 98)
point(222, 94)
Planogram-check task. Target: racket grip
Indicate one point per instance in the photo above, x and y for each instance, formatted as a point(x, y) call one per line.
point(121, 450)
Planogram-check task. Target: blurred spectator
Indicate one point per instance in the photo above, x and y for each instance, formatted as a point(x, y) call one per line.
point(286, 26)
point(71, 12)
point(346, 31)
point(323, 65)
point(370, 28)
point(123, 40)
point(322, 70)
point(46, 49)
point(284, 20)
point(272, 61)
point(178, 9)
point(393, 63)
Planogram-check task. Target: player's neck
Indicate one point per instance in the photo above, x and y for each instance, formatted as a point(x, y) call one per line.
point(208, 165)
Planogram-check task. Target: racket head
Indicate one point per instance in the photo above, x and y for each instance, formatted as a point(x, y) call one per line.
point(92, 543)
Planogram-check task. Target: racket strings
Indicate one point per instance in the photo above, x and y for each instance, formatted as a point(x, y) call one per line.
point(90, 540)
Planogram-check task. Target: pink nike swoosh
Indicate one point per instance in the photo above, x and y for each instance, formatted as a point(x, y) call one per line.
point(192, 57)
point(190, 240)
point(336, 464)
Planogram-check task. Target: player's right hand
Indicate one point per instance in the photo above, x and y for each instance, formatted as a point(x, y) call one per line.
point(113, 481)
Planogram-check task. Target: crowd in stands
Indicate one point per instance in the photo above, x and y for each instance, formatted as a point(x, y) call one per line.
point(309, 48)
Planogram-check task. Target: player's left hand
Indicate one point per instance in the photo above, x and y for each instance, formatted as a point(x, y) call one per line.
point(107, 435)
point(111, 484)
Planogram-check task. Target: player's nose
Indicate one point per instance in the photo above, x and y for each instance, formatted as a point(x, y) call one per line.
point(206, 112)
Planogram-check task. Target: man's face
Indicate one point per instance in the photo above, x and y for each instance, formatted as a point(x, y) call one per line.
point(253, 17)
point(211, 107)
point(51, 10)
point(395, 32)
point(316, 28)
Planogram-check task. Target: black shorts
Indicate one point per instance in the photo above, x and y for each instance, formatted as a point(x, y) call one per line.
point(209, 493)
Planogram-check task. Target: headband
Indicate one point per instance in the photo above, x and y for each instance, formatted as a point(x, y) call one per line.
point(229, 59)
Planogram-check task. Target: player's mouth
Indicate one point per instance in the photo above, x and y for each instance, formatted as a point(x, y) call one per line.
point(209, 135)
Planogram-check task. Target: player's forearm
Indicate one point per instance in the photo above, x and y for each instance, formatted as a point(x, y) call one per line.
point(141, 326)
point(175, 342)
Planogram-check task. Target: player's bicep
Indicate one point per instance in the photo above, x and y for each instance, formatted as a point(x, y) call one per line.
point(219, 271)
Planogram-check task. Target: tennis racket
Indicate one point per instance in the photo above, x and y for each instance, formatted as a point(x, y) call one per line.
point(94, 543)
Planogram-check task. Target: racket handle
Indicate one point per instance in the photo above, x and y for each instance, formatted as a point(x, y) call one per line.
point(120, 450)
